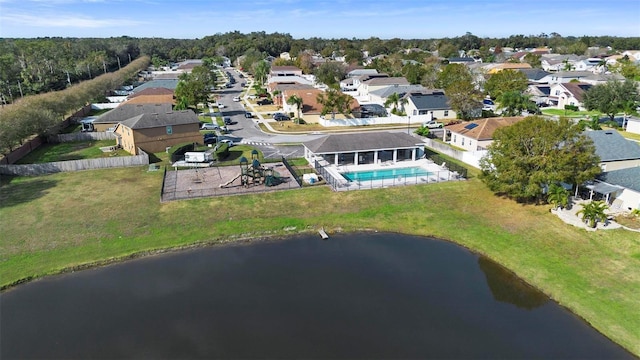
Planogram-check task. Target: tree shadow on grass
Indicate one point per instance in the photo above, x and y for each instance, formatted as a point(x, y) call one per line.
point(14, 191)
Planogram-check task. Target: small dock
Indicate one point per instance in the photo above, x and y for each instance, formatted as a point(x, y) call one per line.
point(323, 234)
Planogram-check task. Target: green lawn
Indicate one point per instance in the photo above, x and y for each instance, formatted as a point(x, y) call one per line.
point(70, 220)
point(569, 113)
point(70, 151)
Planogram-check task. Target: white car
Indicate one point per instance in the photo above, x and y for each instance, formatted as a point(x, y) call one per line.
point(220, 106)
point(236, 98)
point(227, 141)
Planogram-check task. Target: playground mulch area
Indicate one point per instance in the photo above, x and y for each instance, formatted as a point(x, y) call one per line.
point(214, 181)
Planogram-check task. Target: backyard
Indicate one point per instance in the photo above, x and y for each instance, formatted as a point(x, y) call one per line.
point(51, 152)
point(50, 224)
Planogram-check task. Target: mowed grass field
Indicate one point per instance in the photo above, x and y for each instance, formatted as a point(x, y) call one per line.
point(66, 220)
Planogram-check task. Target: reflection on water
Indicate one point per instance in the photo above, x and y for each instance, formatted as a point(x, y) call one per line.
point(507, 287)
point(354, 296)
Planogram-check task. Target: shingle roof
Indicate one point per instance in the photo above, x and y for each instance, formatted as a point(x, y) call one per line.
point(286, 68)
point(611, 146)
point(628, 178)
point(168, 83)
point(482, 129)
point(145, 121)
point(127, 111)
point(433, 101)
point(577, 89)
point(534, 74)
point(387, 81)
point(152, 91)
point(362, 142)
point(400, 89)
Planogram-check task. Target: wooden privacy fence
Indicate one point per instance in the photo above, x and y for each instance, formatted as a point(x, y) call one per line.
point(83, 136)
point(75, 165)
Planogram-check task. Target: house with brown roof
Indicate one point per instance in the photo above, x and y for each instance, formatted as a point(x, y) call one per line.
point(154, 132)
point(571, 93)
point(152, 96)
point(478, 134)
point(309, 98)
point(109, 120)
point(496, 68)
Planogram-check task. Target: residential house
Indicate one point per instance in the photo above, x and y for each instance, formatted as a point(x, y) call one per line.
point(277, 89)
point(461, 60)
point(558, 62)
point(368, 83)
point(152, 96)
point(536, 76)
point(494, 68)
point(633, 125)
point(431, 102)
point(109, 120)
point(154, 132)
point(381, 95)
point(571, 93)
point(539, 93)
point(614, 150)
point(277, 71)
point(633, 55)
point(623, 185)
point(590, 64)
point(309, 98)
point(360, 72)
point(596, 79)
point(478, 134)
point(170, 84)
point(568, 76)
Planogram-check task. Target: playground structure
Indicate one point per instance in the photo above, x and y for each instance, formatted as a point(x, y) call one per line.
point(254, 174)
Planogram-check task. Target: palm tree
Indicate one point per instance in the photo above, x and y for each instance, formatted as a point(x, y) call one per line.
point(558, 196)
point(395, 100)
point(594, 212)
point(297, 101)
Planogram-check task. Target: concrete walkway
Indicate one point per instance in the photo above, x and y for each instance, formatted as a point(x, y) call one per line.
point(570, 216)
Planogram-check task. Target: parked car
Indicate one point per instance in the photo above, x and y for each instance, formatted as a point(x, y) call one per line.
point(220, 106)
point(227, 141)
point(432, 124)
point(248, 115)
point(264, 102)
point(236, 99)
point(280, 117)
point(209, 126)
point(227, 120)
point(210, 139)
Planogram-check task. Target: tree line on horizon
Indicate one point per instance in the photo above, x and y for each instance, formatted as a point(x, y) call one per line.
point(39, 65)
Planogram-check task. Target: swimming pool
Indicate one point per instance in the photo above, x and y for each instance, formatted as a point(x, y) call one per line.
point(382, 174)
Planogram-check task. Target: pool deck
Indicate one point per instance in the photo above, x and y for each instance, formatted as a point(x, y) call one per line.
point(437, 173)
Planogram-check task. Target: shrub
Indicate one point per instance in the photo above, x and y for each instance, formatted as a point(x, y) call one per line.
point(176, 152)
point(571, 107)
point(222, 152)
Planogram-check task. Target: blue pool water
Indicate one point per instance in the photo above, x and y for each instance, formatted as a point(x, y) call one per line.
point(386, 174)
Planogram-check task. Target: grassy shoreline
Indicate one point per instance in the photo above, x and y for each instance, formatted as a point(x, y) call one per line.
point(72, 220)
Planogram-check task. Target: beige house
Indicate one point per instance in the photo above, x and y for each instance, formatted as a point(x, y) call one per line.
point(571, 93)
point(478, 134)
point(154, 132)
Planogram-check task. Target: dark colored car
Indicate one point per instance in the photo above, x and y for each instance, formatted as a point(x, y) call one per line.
point(264, 102)
point(280, 117)
point(227, 120)
point(210, 139)
point(248, 115)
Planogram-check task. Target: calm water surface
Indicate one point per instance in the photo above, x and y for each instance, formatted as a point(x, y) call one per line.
point(354, 296)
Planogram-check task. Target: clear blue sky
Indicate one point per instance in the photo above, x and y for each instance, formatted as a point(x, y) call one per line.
point(190, 19)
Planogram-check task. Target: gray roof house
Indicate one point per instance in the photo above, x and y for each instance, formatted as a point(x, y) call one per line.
point(108, 120)
point(433, 102)
point(535, 75)
point(614, 150)
point(380, 95)
point(166, 83)
point(627, 182)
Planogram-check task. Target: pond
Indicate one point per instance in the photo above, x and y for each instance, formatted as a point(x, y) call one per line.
point(366, 295)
